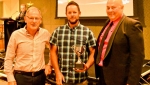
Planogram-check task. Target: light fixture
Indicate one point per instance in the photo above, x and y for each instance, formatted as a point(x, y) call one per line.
point(29, 4)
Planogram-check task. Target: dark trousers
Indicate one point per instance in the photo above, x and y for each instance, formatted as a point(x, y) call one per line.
point(30, 80)
point(101, 76)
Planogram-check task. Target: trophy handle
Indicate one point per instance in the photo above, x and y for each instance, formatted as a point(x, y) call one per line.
point(80, 49)
point(74, 49)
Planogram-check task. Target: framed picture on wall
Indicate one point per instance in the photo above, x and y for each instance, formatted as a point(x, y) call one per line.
point(92, 8)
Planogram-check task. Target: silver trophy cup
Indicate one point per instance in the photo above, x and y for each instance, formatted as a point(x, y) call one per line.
point(79, 51)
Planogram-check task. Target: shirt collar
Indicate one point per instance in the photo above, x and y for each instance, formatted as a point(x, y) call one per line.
point(117, 20)
point(27, 33)
point(75, 26)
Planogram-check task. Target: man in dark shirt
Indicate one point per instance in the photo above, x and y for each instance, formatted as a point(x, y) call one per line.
point(20, 18)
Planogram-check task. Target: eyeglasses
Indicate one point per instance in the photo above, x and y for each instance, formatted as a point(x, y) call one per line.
point(34, 18)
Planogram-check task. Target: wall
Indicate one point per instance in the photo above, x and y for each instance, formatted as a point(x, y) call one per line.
point(11, 8)
point(1, 10)
point(146, 5)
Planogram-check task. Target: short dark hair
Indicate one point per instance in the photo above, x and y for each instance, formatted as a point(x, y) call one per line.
point(73, 3)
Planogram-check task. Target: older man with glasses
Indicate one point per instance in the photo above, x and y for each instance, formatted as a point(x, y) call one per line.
point(27, 47)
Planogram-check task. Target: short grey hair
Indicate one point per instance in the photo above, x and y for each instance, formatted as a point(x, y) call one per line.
point(33, 8)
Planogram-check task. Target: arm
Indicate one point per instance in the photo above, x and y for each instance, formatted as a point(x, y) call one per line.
point(91, 44)
point(136, 43)
point(9, 59)
point(54, 61)
point(17, 18)
point(48, 66)
point(91, 58)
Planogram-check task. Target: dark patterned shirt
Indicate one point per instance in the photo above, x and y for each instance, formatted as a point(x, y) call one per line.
point(65, 38)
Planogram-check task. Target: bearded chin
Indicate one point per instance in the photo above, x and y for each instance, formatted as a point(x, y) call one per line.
point(73, 22)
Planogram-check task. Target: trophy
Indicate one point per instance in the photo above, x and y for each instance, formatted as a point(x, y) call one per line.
point(79, 51)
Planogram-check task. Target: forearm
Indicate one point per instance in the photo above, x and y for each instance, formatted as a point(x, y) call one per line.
point(8, 65)
point(90, 61)
point(9, 58)
point(48, 47)
point(54, 62)
point(54, 59)
point(8, 69)
point(49, 62)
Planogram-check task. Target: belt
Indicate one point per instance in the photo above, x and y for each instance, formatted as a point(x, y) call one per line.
point(29, 73)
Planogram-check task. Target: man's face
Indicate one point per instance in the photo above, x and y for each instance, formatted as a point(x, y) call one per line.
point(114, 10)
point(23, 8)
point(72, 14)
point(33, 19)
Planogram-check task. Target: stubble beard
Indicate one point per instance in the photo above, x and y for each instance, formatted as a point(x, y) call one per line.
point(73, 22)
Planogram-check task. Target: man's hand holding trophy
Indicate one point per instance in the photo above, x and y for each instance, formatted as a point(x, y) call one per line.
point(79, 65)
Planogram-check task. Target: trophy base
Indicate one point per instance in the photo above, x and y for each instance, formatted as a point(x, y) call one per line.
point(79, 66)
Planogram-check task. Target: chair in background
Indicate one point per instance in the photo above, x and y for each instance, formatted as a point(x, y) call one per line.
point(145, 76)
